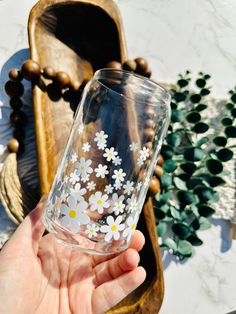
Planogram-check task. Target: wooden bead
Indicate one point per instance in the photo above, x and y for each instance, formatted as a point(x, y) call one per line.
point(62, 79)
point(148, 74)
point(129, 65)
point(149, 112)
point(149, 123)
point(114, 65)
point(49, 73)
point(149, 134)
point(142, 65)
point(154, 186)
point(75, 85)
point(54, 92)
point(14, 89)
point(13, 145)
point(31, 70)
point(160, 160)
point(16, 103)
point(148, 145)
point(18, 117)
point(158, 171)
point(15, 75)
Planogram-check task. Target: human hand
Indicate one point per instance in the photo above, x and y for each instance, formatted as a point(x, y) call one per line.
point(40, 276)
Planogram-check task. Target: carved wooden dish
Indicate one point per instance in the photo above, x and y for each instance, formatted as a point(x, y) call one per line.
point(79, 37)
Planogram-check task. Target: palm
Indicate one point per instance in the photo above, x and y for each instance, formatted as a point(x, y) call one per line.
point(46, 277)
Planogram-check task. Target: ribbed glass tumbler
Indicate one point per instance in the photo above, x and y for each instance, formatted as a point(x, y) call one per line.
point(102, 180)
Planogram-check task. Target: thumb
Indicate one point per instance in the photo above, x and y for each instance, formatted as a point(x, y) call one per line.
point(29, 232)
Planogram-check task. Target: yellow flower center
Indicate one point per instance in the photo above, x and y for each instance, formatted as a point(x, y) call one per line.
point(113, 228)
point(72, 213)
point(110, 154)
point(91, 230)
point(101, 137)
point(119, 206)
point(82, 167)
point(132, 226)
point(99, 202)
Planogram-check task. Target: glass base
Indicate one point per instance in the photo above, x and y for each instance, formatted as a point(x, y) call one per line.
point(81, 243)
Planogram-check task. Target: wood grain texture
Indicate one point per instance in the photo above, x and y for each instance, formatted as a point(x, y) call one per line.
point(79, 37)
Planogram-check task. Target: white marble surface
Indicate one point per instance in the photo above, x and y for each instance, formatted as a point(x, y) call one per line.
point(174, 35)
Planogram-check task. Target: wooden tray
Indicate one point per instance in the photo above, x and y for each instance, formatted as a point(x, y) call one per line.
point(79, 37)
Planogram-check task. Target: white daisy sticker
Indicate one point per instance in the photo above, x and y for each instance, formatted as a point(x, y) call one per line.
point(98, 201)
point(144, 153)
point(91, 186)
point(80, 129)
point(132, 204)
point(109, 189)
point(117, 204)
point(139, 185)
point(85, 178)
point(73, 158)
point(66, 180)
point(83, 167)
point(100, 138)
point(110, 154)
point(74, 214)
point(91, 230)
point(73, 178)
point(131, 225)
point(86, 147)
point(146, 182)
point(117, 161)
point(133, 147)
point(128, 187)
point(113, 228)
point(63, 195)
point(119, 175)
point(117, 185)
point(77, 192)
point(140, 162)
point(101, 171)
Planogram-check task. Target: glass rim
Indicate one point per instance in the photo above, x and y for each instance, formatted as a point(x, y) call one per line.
point(139, 77)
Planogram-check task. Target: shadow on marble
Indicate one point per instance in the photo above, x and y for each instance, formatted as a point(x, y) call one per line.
point(226, 241)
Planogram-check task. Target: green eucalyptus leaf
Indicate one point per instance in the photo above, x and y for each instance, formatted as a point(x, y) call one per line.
point(225, 154)
point(205, 92)
point(215, 198)
point(181, 229)
point(169, 166)
point(193, 182)
point(207, 76)
point(200, 127)
point(182, 83)
point(215, 181)
point(161, 229)
point(194, 239)
point(186, 197)
point(194, 209)
point(188, 167)
point(204, 223)
point(177, 116)
point(166, 181)
point(233, 98)
point(230, 131)
point(185, 248)
point(214, 166)
point(184, 176)
point(179, 97)
point(233, 112)
point(180, 184)
point(173, 105)
point(193, 117)
point(200, 107)
point(202, 141)
point(226, 121)
point(204, 193)
point(167, 152)
point(175, 213)
point(229, 106)
point(174, 139)
point(160, 214)
point(220, 141)
point(200, 83)
point(163, 198)
point(205, 211)
point(195, 98)
point(170, 243)
point(194, 154)
point(195, 224)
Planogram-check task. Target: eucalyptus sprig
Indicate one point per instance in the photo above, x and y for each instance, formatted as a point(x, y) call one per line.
point(193, 165)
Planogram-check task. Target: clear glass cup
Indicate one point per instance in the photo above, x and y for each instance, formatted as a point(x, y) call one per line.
point(103, 177)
